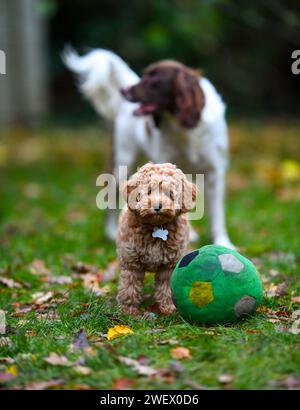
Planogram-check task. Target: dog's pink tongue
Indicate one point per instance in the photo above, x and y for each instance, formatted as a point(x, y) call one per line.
point(145, 109)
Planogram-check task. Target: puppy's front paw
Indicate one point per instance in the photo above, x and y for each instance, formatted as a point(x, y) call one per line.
point(167, 309)
point(131, 310)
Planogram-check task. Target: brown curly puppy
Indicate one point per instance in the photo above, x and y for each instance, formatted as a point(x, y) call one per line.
point(153, 232)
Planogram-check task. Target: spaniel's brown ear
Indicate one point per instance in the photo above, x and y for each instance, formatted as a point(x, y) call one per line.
point(189, 98)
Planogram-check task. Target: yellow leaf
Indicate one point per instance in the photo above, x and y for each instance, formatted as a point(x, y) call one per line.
point(290, 170)
point(118, 331)
point(13, 370)
point(181, 353)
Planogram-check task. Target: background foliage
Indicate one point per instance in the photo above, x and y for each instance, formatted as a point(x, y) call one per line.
point(244, 47)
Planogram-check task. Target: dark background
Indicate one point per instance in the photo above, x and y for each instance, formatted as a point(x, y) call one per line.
point(243, 46)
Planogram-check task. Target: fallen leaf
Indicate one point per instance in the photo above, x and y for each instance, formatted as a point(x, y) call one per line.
point(22, 311)
point(176, 367)
point(295, 328)
point(139, 368)
point(5, 341)
point(91, 282)
point(5, 377)
point(80, 340)
point(13, 370)
point(118, 331)
point(8, 360)
point(39, 385)
point(57, 360)
point(225, 378)
point(253, 331)
point(61, 280)
point(2, 322)
point(40, 297)
point(277, 290)
point(110, 272)
point(181, 353)
point(296, 299)
point(291, 382)
point(82, 370)
point(168, 342)
point(274, 272)
point(10, 283)
point(123, 384)
point(295, 314)
point(52, 315)
point(80, 267)
point(290, 170)
point(38, 267)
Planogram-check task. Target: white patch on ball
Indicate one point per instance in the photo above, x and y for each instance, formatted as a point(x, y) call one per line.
point(231, 263)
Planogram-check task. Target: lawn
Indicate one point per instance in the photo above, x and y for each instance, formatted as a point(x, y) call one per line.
point(53, 252)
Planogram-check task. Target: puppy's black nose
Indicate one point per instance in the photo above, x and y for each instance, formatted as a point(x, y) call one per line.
point(157, 207)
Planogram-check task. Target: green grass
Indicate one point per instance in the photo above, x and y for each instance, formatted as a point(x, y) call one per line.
point(48, 212)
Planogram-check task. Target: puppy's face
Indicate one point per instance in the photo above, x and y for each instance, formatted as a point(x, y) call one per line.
point(158, 193)
point(168, 86)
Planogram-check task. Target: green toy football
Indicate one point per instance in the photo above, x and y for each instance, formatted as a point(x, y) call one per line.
point(215, 285)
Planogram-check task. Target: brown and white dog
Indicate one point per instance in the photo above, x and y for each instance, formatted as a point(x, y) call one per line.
point(172, 114)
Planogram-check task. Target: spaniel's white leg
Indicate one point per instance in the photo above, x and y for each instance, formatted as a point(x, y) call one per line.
point(214, 194)
point(124, 153)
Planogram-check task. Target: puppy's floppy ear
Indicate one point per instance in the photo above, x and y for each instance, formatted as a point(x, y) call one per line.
point(126, 188)
point(189, 98)
point(189, 194)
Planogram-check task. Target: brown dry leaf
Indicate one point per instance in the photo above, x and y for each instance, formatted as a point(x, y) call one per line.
point(277, 290)
point(38, 267)
point(253, 331)
point(52, 315)
point(3, 327)
point(295, 315)
point(44, 385)
point(225, 378)
point(10, 283)
point(5, 341)
point(82, 370)
point(91, 282)
point(110, 272)
point(58, 360)
point(139, 368)
point(291, 382)
point(40, 298)
point(22, 311)
point(296, 299)
point(60, 280)
point(123, 384)
point(83, 268)
point(8, 360)
point(295, 328)
point(181, 353)
point(168, 342)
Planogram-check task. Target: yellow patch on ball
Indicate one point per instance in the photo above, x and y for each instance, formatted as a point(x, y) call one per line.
point(201, 293)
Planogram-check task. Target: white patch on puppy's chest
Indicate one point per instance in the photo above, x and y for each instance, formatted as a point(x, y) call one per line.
point(160, 232)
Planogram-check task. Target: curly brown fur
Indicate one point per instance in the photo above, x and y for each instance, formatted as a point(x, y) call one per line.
point(165, 188)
